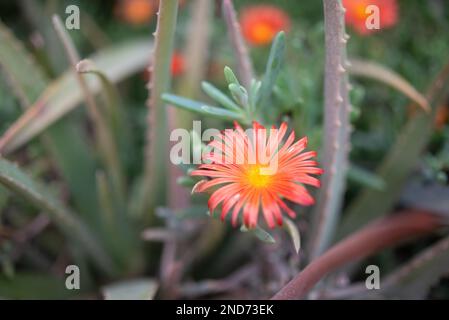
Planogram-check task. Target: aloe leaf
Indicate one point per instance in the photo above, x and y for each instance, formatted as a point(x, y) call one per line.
point(116, 117)
point(398, 163)
point(201, 108)
point(381, 73)
point(365, 178)
point(20, 183)
point(155, 184)
point(63, 94)
point(74, 160)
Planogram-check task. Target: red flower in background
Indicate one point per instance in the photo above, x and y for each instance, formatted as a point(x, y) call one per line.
point(245, 186)
point(177, 64)
point(261, 23)
point(136, 12)
point(356, 15)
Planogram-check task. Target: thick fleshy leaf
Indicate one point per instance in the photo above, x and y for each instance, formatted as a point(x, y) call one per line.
point(293, 231)
point(273, 68)
point(74, 161)
point(230, 76)
point(381, 73)
point(63, 94)
point(219, 96)
point(260, 233)
point(201, 108)
point(365, 178)
point(20, 183)
point(398, 163)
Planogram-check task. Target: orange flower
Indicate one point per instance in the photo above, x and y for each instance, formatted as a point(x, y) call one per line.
point(177, 64)
point(136, 12)
point(356, 14)
point(248, 175)
point(261, 23)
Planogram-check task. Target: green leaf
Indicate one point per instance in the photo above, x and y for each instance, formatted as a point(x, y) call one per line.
point(186, 181)
point(219, 96)
point(254, 93)
point(34, 286)
point(20, 183)
point(192, 212)
point(74, 160)
point(365, 178)
point(201, 108)
point(383, 74)
point(274, 64)
point(293, 231)
point(63, 94)
point(138, 289)
point(239, 94)
point(260, 233)
point(398, 163)
point(230, 76)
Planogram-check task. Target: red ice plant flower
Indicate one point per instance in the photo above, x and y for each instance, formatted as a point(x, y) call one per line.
point(357, 15)
point(136, 12)
point(260, 23)
point(238, 162)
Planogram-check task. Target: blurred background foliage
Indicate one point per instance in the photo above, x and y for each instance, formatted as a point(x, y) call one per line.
point(185, 252)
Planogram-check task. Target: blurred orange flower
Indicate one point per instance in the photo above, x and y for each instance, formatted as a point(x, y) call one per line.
point(136, 12)
point(261, 23)
point(237, 163)
point(177, 64)
point(357, 14)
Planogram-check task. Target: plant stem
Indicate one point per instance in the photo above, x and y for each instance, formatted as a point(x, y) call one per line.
point(244, 64)
point(384, 233)
point(156, 153)
point(336, 129)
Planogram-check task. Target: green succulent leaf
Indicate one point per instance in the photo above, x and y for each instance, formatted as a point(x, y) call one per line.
point(273, 68)
point(260, 234)
point(293, 231)
point(230, 76)
point(219, 96)
point(201, 108)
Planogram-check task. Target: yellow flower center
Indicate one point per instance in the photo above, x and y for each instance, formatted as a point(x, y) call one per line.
point(360, 11)
point(263, 33)
point(256, 178)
